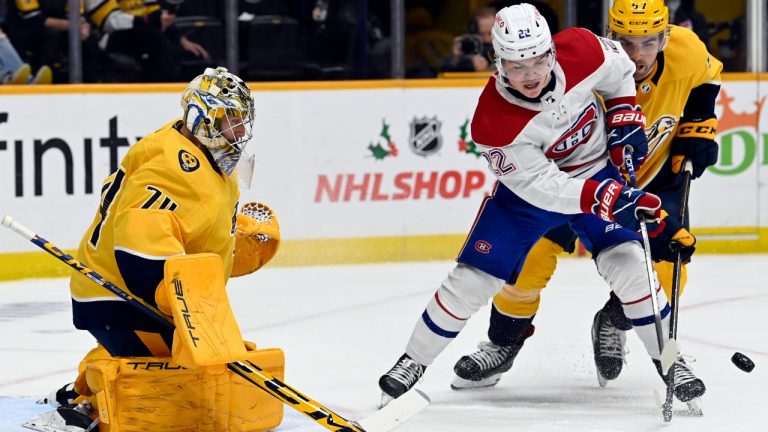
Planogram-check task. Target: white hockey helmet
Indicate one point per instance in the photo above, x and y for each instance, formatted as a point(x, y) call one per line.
point(214, 103)
point(520, 33)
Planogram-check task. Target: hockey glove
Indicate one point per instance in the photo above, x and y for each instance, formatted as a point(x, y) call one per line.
point(670, 236)
point(625, 125)
point(257, 238)
point(695, 141)
point(614, 202)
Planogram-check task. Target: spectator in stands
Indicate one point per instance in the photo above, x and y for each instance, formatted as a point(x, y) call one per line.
point(14, 71)
point(39, 32)
point(684, 14)
point(144, 33)
point(471, 51)
point(426, 47)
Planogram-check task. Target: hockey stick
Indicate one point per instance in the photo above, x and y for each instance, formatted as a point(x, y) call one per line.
point(671, 350)
point(666, 411)
point(647, 249)
point(384, 420)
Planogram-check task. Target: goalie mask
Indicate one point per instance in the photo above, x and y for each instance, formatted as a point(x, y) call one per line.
point(520, 33)
point(219, 110)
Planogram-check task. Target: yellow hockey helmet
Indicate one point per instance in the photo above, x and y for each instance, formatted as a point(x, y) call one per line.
point(638, 18)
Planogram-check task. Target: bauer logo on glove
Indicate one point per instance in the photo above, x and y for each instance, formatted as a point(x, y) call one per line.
point(257, 238)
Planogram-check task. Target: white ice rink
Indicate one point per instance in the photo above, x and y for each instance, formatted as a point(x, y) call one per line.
point(342, 327)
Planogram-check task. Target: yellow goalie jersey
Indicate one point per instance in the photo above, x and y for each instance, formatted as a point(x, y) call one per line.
point(166, 199)
point(683, 69)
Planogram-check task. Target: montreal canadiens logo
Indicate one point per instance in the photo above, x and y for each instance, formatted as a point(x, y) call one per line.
point(577, 134)
point(483, 246)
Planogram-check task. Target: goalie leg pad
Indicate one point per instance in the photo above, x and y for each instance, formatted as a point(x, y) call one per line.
point(140, 394)
point(206, 331)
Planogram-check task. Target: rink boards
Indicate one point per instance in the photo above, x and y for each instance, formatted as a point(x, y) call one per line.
point(360, 171)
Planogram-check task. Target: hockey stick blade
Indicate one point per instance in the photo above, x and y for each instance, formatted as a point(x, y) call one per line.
point(395, 413)
point(669, 355)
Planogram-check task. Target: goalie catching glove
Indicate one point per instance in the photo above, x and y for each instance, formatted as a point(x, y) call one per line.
point(257, 238)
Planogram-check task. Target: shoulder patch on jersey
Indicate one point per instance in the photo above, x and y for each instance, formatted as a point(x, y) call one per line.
point(188, 161)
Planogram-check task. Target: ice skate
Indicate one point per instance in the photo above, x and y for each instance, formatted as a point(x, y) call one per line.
point(66, 418)
point(65, 395)
point(401, 378)
point(688, 387)
point(484, 367)
point(608, 344)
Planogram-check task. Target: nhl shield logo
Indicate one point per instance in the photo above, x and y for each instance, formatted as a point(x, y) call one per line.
point(425, 138)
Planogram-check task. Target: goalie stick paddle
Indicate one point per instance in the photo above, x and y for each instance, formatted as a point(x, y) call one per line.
point(384, 420)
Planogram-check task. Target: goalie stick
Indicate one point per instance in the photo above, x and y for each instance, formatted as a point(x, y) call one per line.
point(384, 420)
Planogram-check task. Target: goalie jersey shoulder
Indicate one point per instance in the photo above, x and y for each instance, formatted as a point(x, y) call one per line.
point(168, 160)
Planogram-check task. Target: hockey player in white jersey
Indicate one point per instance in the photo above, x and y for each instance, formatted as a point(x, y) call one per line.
point(556, 152)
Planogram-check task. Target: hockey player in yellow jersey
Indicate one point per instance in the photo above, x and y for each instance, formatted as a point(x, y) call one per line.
point(677, 83)
point(170, 211)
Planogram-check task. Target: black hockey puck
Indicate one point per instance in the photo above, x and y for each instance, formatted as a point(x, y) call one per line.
point(742, 362)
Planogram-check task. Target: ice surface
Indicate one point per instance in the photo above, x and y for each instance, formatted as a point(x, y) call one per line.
point(342, 327)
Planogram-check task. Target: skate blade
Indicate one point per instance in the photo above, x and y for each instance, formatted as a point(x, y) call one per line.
point(464, 384)
point(692, 407)
point(47, 423)
point(600, 378)
point(385, 400)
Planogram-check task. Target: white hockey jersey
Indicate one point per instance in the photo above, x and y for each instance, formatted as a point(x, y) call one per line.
point(543, 151)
